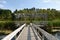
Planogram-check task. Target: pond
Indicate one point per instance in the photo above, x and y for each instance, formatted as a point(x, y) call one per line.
point(57, 34)
point(2, 36)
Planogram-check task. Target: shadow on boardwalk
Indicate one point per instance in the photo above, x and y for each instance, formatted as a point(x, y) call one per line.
point(29, 35)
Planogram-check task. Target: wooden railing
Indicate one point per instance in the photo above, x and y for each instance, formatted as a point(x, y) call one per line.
point(14, 33)
point(44, 33)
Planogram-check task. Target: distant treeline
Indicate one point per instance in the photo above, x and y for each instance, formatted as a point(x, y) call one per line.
point(50, 13)
point(5, 14)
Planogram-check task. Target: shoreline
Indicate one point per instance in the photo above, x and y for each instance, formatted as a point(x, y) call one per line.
point(5, 32)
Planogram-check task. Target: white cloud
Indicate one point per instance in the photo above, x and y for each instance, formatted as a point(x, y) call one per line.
point(46, 1)
point(1, 6)
point(3, 1)
point(51, 1)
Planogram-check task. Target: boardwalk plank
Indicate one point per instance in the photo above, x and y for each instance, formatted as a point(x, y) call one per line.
point(26, 34)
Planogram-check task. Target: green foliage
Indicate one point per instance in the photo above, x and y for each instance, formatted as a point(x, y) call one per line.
point(57, 23)
point(8, 26)
point(5, 14)
point(51, 13)
point(29, 15)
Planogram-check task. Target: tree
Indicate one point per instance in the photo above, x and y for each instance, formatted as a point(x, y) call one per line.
point(5, 14)
point(16, 11)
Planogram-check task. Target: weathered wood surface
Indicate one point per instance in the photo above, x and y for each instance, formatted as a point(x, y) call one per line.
point(27, 34)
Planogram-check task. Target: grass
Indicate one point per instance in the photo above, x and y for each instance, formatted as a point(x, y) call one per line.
point(5, 32)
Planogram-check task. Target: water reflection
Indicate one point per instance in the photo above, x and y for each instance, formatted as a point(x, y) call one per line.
point(2, 36)
point(57, 34)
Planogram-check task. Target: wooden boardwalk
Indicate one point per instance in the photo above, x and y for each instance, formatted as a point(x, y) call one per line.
point(28, 34)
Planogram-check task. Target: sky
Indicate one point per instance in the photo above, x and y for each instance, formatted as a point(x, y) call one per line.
point(21, 4)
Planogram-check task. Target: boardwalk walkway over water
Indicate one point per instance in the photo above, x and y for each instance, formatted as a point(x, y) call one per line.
point(29, 32)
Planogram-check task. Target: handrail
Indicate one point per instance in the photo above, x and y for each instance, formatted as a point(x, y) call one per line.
point(11, 35)
point(46, 34)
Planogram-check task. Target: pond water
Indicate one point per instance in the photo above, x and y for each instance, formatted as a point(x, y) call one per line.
point(57, 34)
point(2, 36)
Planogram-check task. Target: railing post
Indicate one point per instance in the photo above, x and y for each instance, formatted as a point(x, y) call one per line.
point(42, 37)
